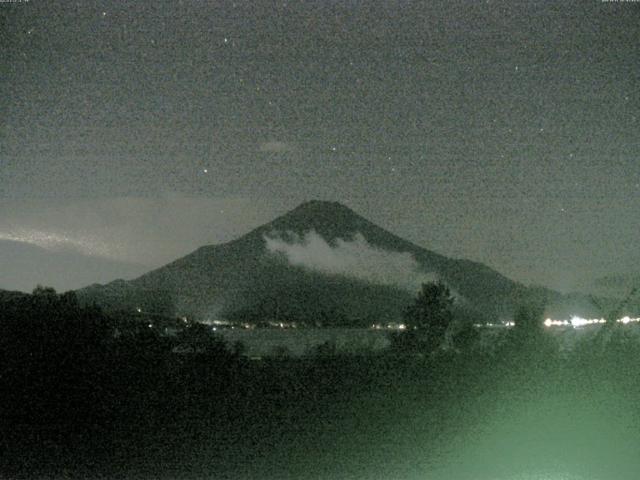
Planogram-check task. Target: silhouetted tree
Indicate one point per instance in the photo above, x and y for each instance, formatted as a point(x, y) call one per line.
point(54, 363)
point(42, 292)
point(432, 308)
point(429, 317)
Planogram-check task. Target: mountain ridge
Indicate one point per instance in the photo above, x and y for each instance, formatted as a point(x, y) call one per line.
point(242, 277)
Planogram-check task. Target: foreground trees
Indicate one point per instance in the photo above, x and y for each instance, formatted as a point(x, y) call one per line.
point(427, 319)
point(431, 310)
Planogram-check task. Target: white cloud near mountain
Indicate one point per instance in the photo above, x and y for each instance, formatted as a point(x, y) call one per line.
point(354, 258)
point(275, 146)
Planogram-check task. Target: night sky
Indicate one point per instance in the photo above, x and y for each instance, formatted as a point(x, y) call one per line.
point(503, 132)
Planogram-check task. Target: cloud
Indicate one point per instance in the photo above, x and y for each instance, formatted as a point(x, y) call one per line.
point(55, 241)
point(275, 146)
point(140, 230)
point(354, 258)
point(25, 265)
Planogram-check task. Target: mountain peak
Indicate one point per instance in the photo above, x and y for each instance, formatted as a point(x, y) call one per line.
point(329, 219)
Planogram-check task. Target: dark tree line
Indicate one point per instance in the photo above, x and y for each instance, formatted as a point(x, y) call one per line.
point(426, 320)
point(83, 389)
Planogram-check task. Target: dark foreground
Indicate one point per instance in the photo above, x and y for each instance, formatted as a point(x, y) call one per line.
point(379, 417)
point(77, 403)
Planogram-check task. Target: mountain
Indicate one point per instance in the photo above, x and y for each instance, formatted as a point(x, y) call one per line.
point(319, 263)
point(617, 285)
point(24, 265)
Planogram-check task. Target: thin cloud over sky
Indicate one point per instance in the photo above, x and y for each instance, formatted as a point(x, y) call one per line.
point(276, 147)
point(144, 230)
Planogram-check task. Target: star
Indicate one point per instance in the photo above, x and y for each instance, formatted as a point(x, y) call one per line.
point(205, 170)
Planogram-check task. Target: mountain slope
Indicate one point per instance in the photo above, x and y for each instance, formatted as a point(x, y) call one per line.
point(310, 279)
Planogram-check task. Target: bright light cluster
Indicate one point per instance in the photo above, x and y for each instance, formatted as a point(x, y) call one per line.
point(494, 325)
point(577, 322)
point(626, 320)
point(389, 326)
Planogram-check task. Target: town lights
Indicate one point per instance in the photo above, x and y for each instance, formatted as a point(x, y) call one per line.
point(577, 322)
